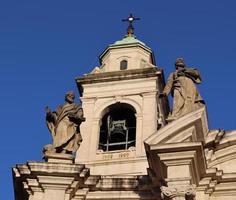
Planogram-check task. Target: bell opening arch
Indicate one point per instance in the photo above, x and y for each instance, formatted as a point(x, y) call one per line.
point(117, 127)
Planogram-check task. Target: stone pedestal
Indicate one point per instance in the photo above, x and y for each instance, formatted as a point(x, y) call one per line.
point(187, 161)
point(60, 179)
point(59, 158)
point(176, 156)
point(56, 179)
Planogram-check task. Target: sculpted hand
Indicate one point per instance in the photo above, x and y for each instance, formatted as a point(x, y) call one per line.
point(72, 116)
point(47, 110)
point(162, 94)
point(181, 69)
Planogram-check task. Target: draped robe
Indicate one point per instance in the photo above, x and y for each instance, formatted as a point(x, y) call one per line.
point(64, 128)
point(186, 97)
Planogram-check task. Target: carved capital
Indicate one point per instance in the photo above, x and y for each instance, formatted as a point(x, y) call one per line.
point(178, 192)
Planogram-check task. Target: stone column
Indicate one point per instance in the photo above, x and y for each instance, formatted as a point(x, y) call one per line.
point(94, 140)
point(139, 126)
point(83, 154)
point(149, 115)
point(178, 192)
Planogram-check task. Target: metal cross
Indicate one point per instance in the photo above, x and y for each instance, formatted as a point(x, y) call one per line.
point(130, 19)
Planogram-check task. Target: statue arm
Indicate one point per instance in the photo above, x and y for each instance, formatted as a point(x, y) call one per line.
point(50, 116)
point(194, 74)
point(169, 84)
point(78, 116)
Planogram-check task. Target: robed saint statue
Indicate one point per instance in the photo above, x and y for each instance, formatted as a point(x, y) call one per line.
point(182, 86)
point(64, 125)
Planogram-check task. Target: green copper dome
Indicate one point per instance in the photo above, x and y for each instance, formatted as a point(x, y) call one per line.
point(128, 40)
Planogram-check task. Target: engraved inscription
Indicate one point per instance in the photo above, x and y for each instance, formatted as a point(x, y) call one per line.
point(124, 155)
point(107, 157)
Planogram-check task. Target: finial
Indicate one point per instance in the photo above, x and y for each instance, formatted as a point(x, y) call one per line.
point(130, 29)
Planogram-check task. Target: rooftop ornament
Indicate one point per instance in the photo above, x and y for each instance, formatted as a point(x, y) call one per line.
point(130, 20)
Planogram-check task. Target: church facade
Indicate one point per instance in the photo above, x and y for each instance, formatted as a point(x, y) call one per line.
point(130, 149)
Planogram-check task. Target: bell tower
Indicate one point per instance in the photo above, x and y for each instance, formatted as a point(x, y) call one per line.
point(121, 107)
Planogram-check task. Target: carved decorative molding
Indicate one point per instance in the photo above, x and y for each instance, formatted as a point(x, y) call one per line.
point(178, 192)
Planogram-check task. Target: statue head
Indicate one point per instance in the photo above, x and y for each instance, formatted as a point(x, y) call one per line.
point(69, 97)
point(179, 63)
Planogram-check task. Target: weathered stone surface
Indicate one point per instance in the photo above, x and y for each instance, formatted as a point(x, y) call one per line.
point(185, 152)
point(181, 84)
point(65, 181)
point(179, 192)
point(64, 126)
point(58, 158)
point(137, 88)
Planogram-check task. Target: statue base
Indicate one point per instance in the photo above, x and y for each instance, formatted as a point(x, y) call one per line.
point(59, 158)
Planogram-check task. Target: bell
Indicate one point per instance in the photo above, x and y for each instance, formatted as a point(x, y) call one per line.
point(118, 127)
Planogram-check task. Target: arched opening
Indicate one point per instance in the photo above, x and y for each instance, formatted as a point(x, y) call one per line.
point(118, 128)
point(123, 64)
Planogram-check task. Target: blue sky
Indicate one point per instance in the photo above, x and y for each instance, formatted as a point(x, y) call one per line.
point(44, 45)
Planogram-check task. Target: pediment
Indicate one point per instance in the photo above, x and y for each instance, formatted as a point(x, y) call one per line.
point(221, 150)
point(189, 128)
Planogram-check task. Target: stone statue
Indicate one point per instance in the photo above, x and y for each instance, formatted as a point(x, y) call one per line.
point(181, 85)
point(64, 126)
